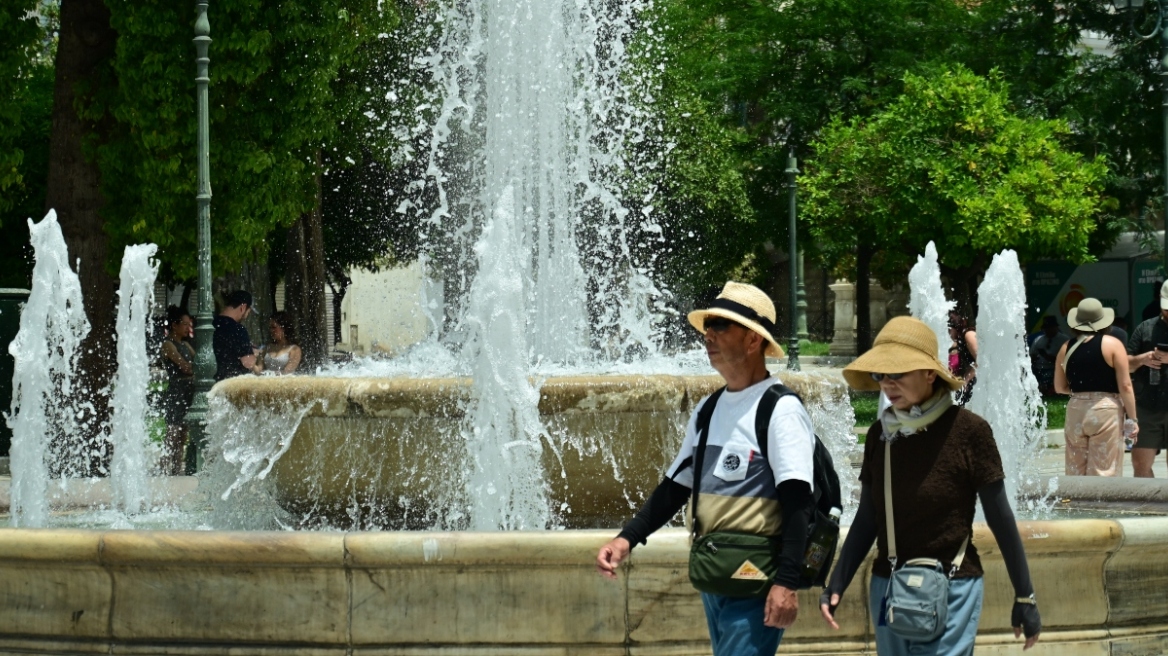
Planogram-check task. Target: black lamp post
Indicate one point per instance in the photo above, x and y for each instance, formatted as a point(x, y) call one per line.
point(793, 314)
point(1133, 8)
point(196, 418)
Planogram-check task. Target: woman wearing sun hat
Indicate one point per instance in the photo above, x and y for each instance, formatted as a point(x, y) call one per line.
point(1093, 369)
point(942, 459)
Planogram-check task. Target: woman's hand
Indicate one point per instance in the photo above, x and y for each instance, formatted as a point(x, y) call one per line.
point(827, 605)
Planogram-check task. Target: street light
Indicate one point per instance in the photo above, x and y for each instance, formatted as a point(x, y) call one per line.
point(196, 418)
point(792, 249)
point(1131, 7)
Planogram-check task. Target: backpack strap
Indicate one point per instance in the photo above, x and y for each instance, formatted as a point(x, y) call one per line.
point(703, 429)
point(762, 424)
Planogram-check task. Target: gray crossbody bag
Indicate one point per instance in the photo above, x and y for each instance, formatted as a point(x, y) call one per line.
point(916, 603)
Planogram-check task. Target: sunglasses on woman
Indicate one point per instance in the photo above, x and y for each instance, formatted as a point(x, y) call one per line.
point(880, 377)
point(719, 324)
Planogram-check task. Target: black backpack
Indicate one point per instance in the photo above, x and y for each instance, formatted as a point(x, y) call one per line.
point(826, 493)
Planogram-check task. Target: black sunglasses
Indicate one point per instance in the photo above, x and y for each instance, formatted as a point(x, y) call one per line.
point(719, 324)
point(880, 377)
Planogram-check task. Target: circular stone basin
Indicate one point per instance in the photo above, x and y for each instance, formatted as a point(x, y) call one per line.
point(1100, 586)
point(392, 446)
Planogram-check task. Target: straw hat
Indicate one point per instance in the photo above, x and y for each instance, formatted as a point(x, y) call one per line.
point(1090, 316)
point(744, 304)
point(905, 344)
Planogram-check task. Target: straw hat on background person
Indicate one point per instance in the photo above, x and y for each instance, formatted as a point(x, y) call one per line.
point(744, 304)
point(1090, 316)
point(904, 344)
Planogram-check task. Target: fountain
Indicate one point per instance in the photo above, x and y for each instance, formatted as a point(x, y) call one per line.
point(517, 388)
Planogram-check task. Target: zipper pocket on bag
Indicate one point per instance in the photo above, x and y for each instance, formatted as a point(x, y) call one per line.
point(910, 612)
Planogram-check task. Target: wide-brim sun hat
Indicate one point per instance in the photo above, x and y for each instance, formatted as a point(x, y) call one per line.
point(744, 304)
point(904, 344)
point(1090, 316)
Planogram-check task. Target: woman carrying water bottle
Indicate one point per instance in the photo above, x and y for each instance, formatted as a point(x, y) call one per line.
point(1093, 369)
point(926, 463)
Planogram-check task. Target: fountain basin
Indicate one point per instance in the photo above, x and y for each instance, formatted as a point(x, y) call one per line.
point(1099, 583)
point(393, 445)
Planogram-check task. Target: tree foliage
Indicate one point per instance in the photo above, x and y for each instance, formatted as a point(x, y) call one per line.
point(949, 161)
point(277, 99)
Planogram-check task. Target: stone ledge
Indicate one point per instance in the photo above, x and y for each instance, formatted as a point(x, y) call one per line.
point(529, 594)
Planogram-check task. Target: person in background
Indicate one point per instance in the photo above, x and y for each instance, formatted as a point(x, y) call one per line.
point(178, 358)
point(1043, 353)
point(943, 460)
point(234, 353)
point(1145, 360)
point(1119, 329)
point(963, 355)
point(1094, 371)
point(283, 355)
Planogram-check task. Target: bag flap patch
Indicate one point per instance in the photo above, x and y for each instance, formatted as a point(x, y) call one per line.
point(749, 572)
point(915, 581)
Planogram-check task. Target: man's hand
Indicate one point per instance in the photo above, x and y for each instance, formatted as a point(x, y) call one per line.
point(611, 555)
point(1151, 359)
point(782, 607)
point(248, 361)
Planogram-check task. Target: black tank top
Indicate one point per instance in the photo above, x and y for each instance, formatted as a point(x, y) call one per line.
point(1088, 371)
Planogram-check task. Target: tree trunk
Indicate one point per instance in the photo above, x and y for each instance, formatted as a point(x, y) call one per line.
point(304, 281)
point(864, 255)
point(339, 290)
point(86, 44)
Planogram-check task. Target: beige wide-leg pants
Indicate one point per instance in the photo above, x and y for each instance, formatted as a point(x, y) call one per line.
point(1094, 434)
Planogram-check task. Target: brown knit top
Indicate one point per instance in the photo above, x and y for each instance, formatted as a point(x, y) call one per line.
point(936, 474)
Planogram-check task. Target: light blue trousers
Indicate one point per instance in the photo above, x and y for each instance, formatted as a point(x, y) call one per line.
point(965, 597)
point(736, 627)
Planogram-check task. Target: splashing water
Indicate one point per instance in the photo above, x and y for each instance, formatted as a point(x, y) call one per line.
point(527, 160)
point(129, 462)
point(1006, 394)
point(927, 300)
point(46, 348)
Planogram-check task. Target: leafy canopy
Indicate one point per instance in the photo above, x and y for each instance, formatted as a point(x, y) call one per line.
point(277, 98)
point(948, 161)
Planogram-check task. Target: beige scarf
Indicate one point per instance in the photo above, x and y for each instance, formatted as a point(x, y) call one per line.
point(907, 422)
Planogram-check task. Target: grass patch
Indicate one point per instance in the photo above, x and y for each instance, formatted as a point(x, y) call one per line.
point(1056, 411)
point(865, 404)
point(810, 348)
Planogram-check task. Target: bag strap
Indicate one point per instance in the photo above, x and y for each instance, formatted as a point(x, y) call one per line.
point(891, 524)
point(762, 416)
point(703, 429)
point(1078, 342)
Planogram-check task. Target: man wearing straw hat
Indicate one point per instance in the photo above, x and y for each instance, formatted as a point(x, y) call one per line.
point(739, 490)
point(1145, 359)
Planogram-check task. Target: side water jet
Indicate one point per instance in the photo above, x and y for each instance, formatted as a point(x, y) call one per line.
point(1006, 393)
point(927, 300)
point(46, 349)
point(129, 464)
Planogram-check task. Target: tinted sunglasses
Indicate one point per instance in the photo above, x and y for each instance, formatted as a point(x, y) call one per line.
point(719, 324)
point(880, 377)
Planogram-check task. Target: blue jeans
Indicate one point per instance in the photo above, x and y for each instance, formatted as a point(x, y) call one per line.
point(736, 627)
point(965, 597)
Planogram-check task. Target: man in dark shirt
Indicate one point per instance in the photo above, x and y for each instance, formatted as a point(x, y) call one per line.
point(234, 354)
point(1145, 361)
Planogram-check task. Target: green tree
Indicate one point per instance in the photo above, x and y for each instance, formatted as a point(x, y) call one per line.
point(26, 101)
point(950, 162)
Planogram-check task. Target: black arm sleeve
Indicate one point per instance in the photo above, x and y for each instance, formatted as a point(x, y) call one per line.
point(1001, 521)
point(663, 504)
point(861, 536)
point(795, 499)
